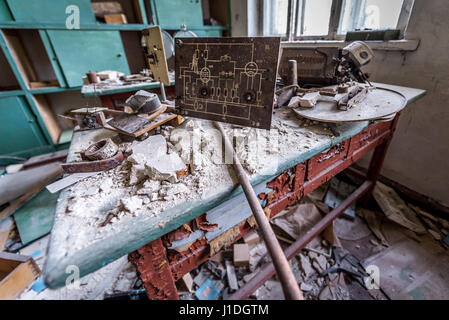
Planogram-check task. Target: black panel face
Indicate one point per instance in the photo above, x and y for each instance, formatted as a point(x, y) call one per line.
point(230, 80)
point(316, 66)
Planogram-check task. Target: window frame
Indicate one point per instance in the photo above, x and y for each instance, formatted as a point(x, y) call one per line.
point(295, 11)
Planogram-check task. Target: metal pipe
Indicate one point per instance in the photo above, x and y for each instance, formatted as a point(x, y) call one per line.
point(164, 96)
point(283, 270)
point(268, 271)
point(293, 72)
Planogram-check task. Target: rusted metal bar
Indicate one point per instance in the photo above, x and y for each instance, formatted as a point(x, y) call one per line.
point(377, 160)
point(280, 263)
point(268, 271)
point(93, 166)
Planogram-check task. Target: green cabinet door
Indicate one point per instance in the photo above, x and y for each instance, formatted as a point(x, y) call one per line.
point(50, 11)
point(170, 14)
point(18, 128)
point(81, 51)
point(5, 15)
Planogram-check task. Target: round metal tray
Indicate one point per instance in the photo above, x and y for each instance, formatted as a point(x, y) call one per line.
point(378, 104)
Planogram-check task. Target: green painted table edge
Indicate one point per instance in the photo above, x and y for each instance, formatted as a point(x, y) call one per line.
point(97, 255)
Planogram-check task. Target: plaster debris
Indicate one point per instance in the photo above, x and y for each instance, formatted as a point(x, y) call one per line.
point(306, 266)
point(149, 187)
point(164, 167)
point(132, 204)
point(86, 204)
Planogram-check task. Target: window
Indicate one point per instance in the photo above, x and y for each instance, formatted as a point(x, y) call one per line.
point(275, 18)
point(332, 19)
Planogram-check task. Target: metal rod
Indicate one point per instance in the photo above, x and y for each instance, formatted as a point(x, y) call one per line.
point(164, 96)
point(268, 271)
point(293, 72)
point(283, 270)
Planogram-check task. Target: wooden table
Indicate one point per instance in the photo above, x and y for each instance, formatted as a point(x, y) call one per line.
point(160, 266)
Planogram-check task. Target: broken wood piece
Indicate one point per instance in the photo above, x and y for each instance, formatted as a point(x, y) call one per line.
point(216, 268)
point(25, 181)
point(187, 282)
point(43, 84)
point(241, 255)
point(118, 18)
point(17, 272)
point(29, 194)
point(135, 126)
point(396, 209)
point(232, 278)
point(251, 238)
point(46, 158)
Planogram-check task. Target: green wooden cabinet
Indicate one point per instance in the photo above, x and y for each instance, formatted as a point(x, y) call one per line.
point(5, 15)
point(81, 51)
point(49, 11)
point(170, 14)
point(208, 33)
point(19, 129)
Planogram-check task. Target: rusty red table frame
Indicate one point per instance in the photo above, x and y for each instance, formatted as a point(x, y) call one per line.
point(160, 267)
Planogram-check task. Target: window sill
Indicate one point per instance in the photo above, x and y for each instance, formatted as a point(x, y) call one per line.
point(393, 45)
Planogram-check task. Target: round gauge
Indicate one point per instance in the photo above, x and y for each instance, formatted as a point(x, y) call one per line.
point(169, 44)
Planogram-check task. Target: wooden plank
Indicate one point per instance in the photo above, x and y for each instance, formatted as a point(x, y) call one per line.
point(46, 158)
point(135, 126)
point(116, 18)
point(44, 84)
point(28, 195)
point(20, 55)
point(48, 116)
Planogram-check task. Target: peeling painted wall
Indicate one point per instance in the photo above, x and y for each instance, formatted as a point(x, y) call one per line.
point(419, 153)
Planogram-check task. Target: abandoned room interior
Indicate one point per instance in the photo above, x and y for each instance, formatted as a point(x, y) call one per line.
point(224, 150)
